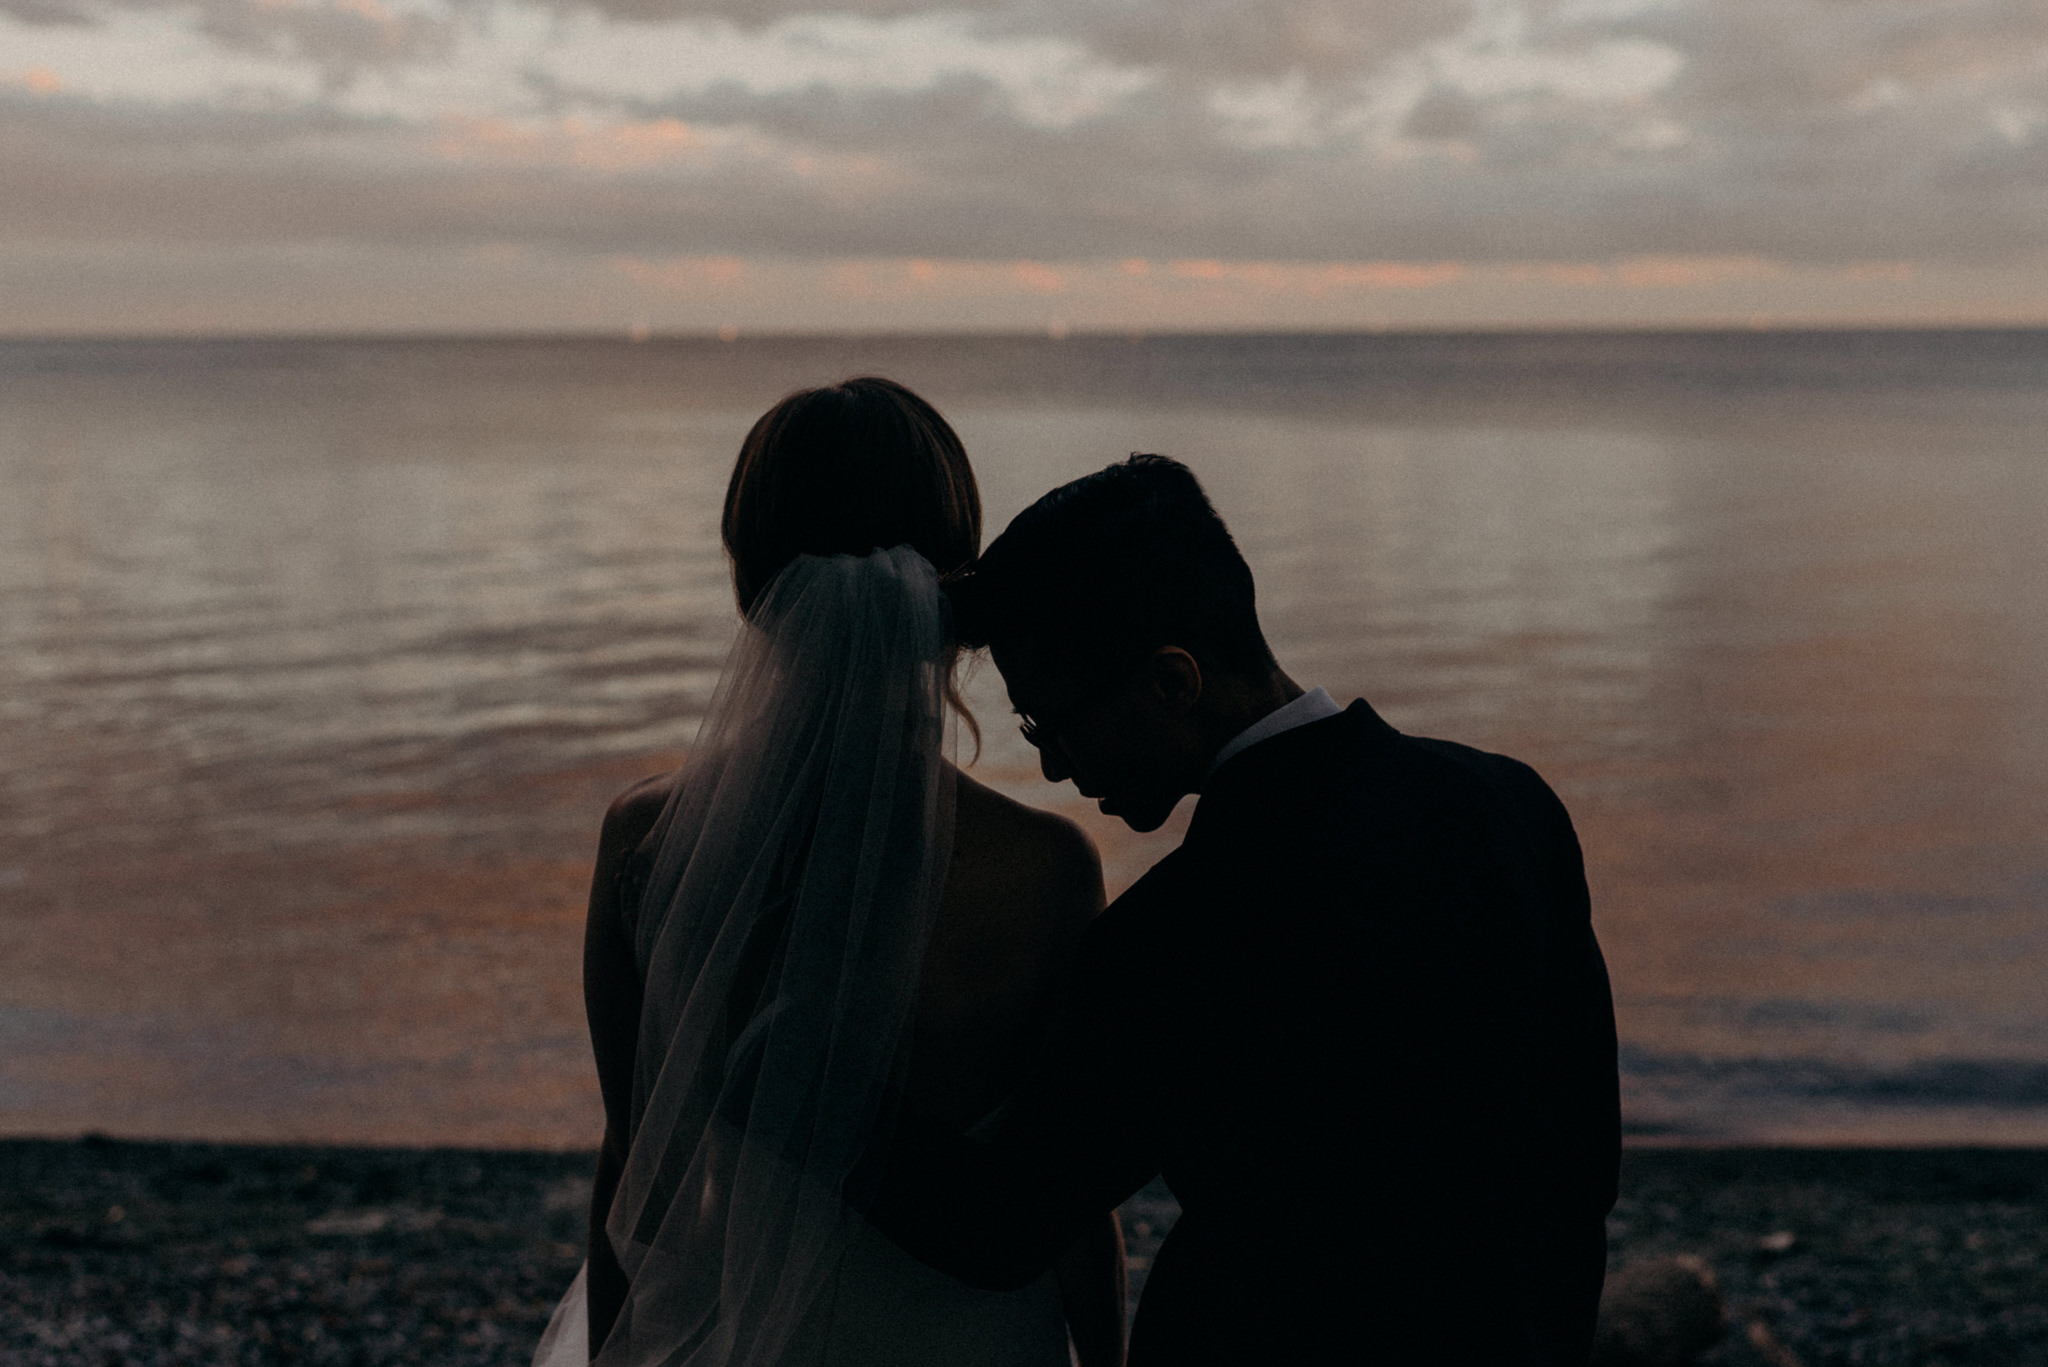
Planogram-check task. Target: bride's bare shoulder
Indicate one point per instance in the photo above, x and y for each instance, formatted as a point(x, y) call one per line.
point(633, 813)
point(1034, 852)
point(995, 815)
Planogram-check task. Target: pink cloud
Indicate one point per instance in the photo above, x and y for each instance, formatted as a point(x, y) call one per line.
point(1394, 275)
point(36, 80)
point(571, 141)
point(1690, 272)
point(1038, 277)
point(682, 274)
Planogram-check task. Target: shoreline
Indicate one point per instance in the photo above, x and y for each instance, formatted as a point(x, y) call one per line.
point(146, 1252)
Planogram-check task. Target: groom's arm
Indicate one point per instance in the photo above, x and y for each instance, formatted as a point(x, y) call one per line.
point(996, 1208)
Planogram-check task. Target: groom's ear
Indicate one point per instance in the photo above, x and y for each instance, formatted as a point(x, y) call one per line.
point(1173, 680)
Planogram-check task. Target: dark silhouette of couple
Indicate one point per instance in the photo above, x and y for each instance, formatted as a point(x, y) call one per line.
point(878, 1067)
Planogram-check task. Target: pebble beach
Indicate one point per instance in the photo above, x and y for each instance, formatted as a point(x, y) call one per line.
point(129, 1254)
point(120, 1254)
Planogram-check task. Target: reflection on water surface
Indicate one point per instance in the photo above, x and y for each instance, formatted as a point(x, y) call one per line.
point(318, 662)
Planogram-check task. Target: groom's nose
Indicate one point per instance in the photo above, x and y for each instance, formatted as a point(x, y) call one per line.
point(1052, 761)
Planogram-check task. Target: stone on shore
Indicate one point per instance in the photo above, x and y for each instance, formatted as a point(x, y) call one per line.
point(1659, 1312)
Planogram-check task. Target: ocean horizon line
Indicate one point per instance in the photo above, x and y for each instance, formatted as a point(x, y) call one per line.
point(1417, 372)
point(635, 335)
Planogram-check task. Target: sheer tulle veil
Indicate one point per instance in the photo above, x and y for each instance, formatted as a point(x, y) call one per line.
point(800, 861)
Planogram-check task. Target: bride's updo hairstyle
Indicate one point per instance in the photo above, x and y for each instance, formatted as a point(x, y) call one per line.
point(847, 469)
point(854, 467)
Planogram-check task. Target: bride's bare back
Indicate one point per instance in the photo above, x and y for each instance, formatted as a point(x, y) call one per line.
point(1021, 887)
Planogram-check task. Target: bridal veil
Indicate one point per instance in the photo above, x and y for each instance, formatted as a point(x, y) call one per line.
point(801, 858)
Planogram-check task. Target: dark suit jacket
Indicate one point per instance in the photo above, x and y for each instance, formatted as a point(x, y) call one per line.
point(1360, 1021)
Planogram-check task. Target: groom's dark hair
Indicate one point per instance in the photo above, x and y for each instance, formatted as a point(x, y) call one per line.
point(1102, 571)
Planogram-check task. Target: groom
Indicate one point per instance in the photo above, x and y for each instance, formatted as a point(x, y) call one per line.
point(1358, 1019)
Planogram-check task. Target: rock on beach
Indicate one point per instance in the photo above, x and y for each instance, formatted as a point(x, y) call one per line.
point(1658, 1312)
point(1871, 1257)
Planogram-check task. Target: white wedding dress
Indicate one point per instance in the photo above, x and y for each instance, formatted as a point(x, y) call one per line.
point(883, 1308)
point(780, 938)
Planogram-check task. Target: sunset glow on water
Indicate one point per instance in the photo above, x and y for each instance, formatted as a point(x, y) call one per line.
point(319, 662)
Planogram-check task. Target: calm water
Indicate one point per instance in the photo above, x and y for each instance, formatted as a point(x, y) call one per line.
point(318, 662)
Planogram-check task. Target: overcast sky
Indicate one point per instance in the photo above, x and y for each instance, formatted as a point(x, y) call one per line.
point(521, 164)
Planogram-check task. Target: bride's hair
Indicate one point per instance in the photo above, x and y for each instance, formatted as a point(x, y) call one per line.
point(850, 468)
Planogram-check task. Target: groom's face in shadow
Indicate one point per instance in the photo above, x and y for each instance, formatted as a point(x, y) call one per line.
point(1127, 738)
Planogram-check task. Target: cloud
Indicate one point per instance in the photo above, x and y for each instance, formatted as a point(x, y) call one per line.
point(51, 13)
point(503, 286)
point(1330, 39)
point(338, 38)
point(572, 142)
point(1043, 81)
point(1616, 134)
point(341, 37)
point(36, 80)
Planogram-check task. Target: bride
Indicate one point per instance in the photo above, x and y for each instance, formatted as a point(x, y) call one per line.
point(815, 921)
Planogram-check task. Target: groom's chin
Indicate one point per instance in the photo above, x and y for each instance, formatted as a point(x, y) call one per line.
point(1142, 817)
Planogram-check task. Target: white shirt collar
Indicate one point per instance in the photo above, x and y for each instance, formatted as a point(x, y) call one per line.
point(1313, 705)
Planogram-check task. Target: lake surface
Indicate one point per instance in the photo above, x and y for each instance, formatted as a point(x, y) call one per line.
point(319, 661)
